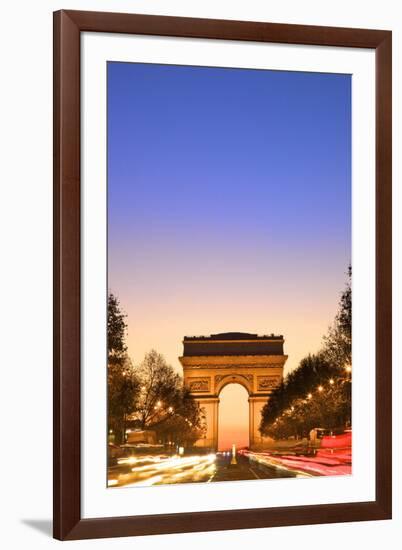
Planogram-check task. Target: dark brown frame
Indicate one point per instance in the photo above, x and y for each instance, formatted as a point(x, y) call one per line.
point(68, 26)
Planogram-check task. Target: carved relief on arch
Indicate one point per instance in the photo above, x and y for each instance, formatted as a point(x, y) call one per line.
point(269, 383)
point(199, 384)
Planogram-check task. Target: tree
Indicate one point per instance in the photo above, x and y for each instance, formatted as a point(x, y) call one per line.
point(327, 406)
point(160, 389)
point(116, 330)
point(318, 392)
point(184, 425)
point(164, 404)
point(123, 392)
point(123, 383)
point(152, 394)
point(338, 342)
point(313, 371)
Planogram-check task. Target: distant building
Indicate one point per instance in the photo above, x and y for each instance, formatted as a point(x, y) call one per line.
point(141, 436)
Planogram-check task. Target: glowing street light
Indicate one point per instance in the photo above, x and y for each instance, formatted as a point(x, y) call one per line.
point(309, 396)
point(332, 381)
point(320, 388)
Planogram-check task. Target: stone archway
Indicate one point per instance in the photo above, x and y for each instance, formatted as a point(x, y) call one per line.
point(211, 362)
point(233, 416)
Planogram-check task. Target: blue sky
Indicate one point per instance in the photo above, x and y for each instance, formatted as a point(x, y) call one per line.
point(229, 202)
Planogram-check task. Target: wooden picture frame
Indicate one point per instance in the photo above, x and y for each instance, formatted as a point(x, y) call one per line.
point(68, 26)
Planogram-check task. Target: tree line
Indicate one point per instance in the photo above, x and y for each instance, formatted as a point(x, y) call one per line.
point(317, 393)
point(150, 396)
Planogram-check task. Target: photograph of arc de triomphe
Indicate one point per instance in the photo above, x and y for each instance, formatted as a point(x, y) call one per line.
point(229, 274)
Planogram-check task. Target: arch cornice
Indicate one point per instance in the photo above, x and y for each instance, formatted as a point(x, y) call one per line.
point(220, 361)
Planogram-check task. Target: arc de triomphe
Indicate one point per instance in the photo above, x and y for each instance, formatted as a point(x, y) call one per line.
point(212, 362)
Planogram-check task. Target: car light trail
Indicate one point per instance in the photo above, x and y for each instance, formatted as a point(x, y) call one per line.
point(326, 462)
point(156, 470)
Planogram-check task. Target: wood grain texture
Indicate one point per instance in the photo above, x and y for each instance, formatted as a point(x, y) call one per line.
point(384, 274)
point(67, 346)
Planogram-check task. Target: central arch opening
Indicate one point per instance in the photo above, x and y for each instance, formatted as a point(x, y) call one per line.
point(233, 423)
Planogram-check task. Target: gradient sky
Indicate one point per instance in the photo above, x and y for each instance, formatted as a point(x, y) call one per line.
point(229, 204)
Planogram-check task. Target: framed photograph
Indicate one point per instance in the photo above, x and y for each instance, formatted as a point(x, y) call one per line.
point(222, 274)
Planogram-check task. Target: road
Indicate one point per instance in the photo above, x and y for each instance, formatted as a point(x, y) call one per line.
point(146, 470)
point(244, 468)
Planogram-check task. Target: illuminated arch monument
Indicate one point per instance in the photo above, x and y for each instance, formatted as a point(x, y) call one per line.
point(211, 362)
